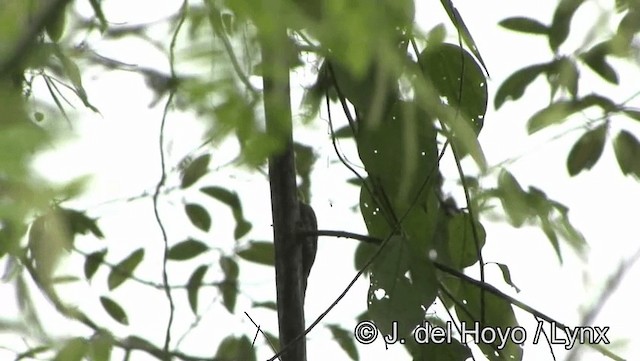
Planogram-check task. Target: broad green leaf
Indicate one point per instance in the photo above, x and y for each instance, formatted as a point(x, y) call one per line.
point(123, 270)
point(399, 304)
point(114, 310)
point(627, 150)
point(232, 200)
point(524, 25)
point(229, 267)
point(364, 252)
point(346, 341)
point(234, 348)
point(92, 262)
point(595, 59)
point(563, 73)
point(400, 155)
point(457, 21)
point(464, 138)
point(513, 198)
point(186, 250)
point(193, 287)
point(100, 347)
point(73, 350)
point(506, 275)
point(587, 150)
point(514, 86)
point(561, 23)
point(556, 113)
point(195, 170)
point(498, 315)
point(458, 79)
point(56, 23)
point(198, 216)
point(229, 290)
point(260, 252)
point(463, 248)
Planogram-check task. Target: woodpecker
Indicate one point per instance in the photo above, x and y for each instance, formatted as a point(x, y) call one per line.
point(307, 223)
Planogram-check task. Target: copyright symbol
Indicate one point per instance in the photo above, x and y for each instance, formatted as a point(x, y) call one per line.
point(365, 332)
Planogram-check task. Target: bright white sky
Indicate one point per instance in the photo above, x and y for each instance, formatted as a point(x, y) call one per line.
point(120, 150)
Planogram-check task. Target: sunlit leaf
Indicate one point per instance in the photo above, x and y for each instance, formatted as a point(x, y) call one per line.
point(100, 347)
point(587, 150)
point(193, 286)
point(198, 216)
point(260, 252)
point(114, 310)
point(524, 25)
point(123, 270)
point(186, 250)
point(195, 170)
point(346, 341)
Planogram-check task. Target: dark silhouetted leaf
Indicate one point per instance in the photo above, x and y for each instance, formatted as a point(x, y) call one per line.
point(587, 150)
point(114, 310)
point(92, 262)
point(198, 216)
point(193, 287)
point(229, 290)
point(195, 170)
point(506, 276)
point(346, 341)
point(229, 267)
point(632, 113)
point(268, 304)
point(186, 250)
point(595, 59)
point(627, 150)
point(259, 252)
point(232, 200)
point(524, 25)
point(514, 86)
point(123, 270)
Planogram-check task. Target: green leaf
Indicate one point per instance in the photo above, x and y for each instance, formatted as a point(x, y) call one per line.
point(506, 275)
point(56, 22)
point(97, 10)
point(260, 252)
point(193, 287)
point(344, 132)
point(627, 150)
point(114, 310)
point(100, 347)
point(514, 86)
point(73, 350)
point(587, 150)
point(563, 73)
point(232, 200)
point(92, 262)
point(437, 34)
point(556, 113)
point(457, 21)
point(198, 216)
point(462, 245)
point(513, 198)
point(498, 315)
point(268, 304)
point(123, 270)
point(186, 250)
point(561, 23)
point(632, 113)
point(229, 290)
point(229, 268)
point(345, 340)
point(457, 78)
point(79, 223)
point(595, 59)
point(72, 71)
point(234, 348)
point(195, 170)
point(432, 351)
point(524, 25)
